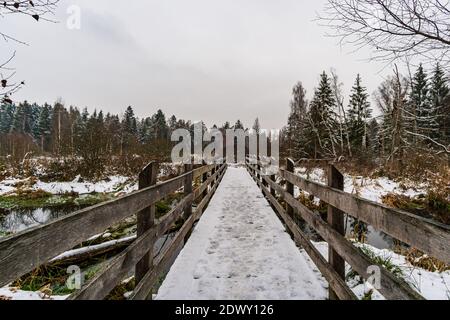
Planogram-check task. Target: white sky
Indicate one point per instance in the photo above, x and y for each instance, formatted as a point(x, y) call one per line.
point(198, 59)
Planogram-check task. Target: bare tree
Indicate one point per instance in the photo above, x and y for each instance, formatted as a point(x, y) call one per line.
point(37, 10)
point(394, 28)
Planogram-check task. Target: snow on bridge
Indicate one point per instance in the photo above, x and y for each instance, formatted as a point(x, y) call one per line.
point(240, 250)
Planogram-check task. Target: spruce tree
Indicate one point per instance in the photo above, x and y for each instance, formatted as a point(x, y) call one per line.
point(7, 112)
point(359, 113)
point(439, 92)
point(296, 121)
point(421, 116)
point(43, 128)
point(322, 120)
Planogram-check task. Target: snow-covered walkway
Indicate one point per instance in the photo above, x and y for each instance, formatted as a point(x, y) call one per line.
point(240, 250)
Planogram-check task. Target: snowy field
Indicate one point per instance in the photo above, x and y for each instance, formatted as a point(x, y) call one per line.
point(367, 188)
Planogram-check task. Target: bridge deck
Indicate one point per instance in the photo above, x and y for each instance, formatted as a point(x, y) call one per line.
point(240, 250)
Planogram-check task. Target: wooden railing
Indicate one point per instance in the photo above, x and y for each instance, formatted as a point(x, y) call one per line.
point(428, 236)
point(26, 251)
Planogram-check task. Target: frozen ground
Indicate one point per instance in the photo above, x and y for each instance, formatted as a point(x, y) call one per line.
point(109, 185)
point(240, 250)
point(367, 188)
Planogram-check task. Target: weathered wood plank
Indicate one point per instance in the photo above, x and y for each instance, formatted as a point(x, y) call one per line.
point(392, 287)
point(333, 278)
point(205, 200)
point(162, 263)
point(201, 189)
point(106, 279)
point(200, 171)
point(335, 219)
point(29, 249)
point(146, 219)
point(426, 235)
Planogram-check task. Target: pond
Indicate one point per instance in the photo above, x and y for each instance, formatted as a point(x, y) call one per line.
point(16, 220)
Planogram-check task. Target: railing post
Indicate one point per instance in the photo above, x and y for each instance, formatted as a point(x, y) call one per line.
point(272, 190)
point(204, 178)
point(146, 219)
point(336, 220)
point(289, 186)
point(258, 166)
point(188, 189)
point(213, 172)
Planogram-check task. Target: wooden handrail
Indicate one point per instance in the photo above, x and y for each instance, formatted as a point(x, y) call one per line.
point(27, 250)
point(162, 264)
point(392, 287)
point(424, 234)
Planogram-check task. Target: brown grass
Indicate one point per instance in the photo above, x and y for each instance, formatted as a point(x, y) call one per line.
point(421, 260)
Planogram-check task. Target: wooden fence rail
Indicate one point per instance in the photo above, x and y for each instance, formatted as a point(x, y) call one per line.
point(429, 236)
point(25, 251)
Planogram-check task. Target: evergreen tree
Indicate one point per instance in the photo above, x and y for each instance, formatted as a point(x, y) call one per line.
point(421, 117)
point(173, 123)
point(439, 91)
point(256, 126)
point(359, 113)
point(7, 112)
point(322, 120)
point(297, 121)
point(129, 122)
point(43, 128)
point(161, 130)
point(18, 123)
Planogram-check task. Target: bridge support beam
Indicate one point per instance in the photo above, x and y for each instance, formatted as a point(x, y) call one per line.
point(336, 220)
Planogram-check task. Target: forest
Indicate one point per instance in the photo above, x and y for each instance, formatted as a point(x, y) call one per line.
point(405, 128)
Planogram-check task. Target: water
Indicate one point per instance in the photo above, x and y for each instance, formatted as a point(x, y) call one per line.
point(377, 239)
point(16, 220)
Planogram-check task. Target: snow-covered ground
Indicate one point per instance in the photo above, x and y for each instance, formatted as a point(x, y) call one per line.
point(109, 185)
point(240, 250)
point(431, 285)
point(9, 293)
point(367, 188)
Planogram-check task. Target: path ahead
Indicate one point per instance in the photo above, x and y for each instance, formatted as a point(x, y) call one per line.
point(240, 250)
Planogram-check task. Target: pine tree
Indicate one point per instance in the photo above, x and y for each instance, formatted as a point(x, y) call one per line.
point(322, 120)
point(129, 122)
point(18, 123)
point(256, 126)
point(161, 130)
point(439, 92)
point(7, 112)
point(421, 116)
point(43, 128)
point(359, 113)
point(296, 121)
point(173, 122)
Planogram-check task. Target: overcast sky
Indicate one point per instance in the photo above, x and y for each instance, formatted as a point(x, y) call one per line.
point(214, 60)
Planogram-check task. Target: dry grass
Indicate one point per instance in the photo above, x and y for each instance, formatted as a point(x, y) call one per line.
point(421, 260)
point(434, 205)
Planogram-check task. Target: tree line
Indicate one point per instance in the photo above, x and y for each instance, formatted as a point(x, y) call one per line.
point(96, 139)
point(415, 117)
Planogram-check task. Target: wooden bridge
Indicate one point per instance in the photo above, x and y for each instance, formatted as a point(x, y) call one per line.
point(256, 250)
